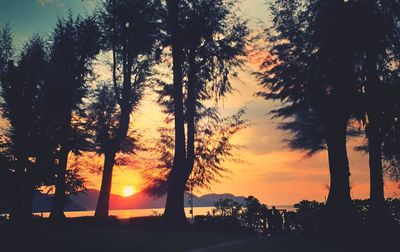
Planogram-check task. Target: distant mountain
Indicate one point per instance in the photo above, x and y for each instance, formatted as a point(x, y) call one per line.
point(87, 201)
point(44, 202)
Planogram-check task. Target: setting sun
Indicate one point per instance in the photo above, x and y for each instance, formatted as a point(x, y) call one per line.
point(128, 191)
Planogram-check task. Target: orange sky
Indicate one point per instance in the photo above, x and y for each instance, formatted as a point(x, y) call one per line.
point(272, 173)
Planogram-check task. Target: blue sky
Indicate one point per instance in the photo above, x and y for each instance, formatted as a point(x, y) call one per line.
point(29, 17)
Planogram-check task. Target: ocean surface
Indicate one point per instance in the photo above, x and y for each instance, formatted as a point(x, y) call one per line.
point(131, 213)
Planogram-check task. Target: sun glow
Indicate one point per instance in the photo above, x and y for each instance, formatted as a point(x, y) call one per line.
point(128, 191)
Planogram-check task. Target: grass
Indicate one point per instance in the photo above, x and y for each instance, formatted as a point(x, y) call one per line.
point(101, 239)
point(353, 243)
point(145, 234)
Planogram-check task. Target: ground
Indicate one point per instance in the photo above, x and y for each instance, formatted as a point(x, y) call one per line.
point(108, 239)
point(315, 244)
point(88, 236)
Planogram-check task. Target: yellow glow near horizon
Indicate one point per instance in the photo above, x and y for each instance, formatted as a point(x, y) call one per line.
point(128, 191)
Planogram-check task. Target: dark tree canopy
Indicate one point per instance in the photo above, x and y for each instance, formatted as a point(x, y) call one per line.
point(131, 33)
point(213, 147)
point(330, 63)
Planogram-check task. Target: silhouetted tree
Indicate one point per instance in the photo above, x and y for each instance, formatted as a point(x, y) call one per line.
point(74, 47)
point(131, 30)
point(6, 162)
point(227, 208)
point(376, 40)
point(103, 119)
point(7, 183)
point(21, 84)
point(175, 186)
point(363, 41)
point(255, 214)
point(310, 70)
point(309, 215)
point(208, 41)
point(6, 50)
point(213, 146)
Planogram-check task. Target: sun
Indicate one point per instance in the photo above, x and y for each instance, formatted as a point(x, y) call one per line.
point(128, 191)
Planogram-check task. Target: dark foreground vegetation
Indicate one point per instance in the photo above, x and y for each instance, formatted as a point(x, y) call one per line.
point(308, 217)
point(83, 236)
point(229, 227)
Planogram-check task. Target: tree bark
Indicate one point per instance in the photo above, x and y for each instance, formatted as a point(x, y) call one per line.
point(174, 213)
point(57, 212)
point(339, 193)
point(103, 204)
point(377, 196)
point(339, 203)
point(113, 147)
point(178, 181)
point(22, 207)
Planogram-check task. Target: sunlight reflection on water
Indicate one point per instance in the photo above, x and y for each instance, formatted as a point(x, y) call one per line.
point(131, 213)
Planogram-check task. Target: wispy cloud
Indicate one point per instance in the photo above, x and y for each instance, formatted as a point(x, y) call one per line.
point(45, 2)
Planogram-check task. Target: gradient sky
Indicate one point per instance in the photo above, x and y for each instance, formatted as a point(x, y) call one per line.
point(272, 172)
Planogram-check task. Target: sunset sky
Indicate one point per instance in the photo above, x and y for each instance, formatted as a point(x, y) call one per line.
point(271, 172)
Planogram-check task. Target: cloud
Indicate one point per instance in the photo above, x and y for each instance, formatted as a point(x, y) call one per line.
point(45, 2)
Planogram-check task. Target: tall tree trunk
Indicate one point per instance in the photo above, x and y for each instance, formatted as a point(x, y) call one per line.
point(28, 191)
point(174, 213)
point(17, 199)
point(57, 212)
point(28, 202)
point(176, 195)
point(339, 203)
point(114, 144)
point(339, 193)
point(103, 204)
point(377, 197)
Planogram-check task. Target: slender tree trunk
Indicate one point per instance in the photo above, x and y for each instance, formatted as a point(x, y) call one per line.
point(20, 212)
point(377, 197)
point(174, 212)
point(57, 212)
point(103, 204)
point(176, 194)
point(114, 145)
point(17, 199)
